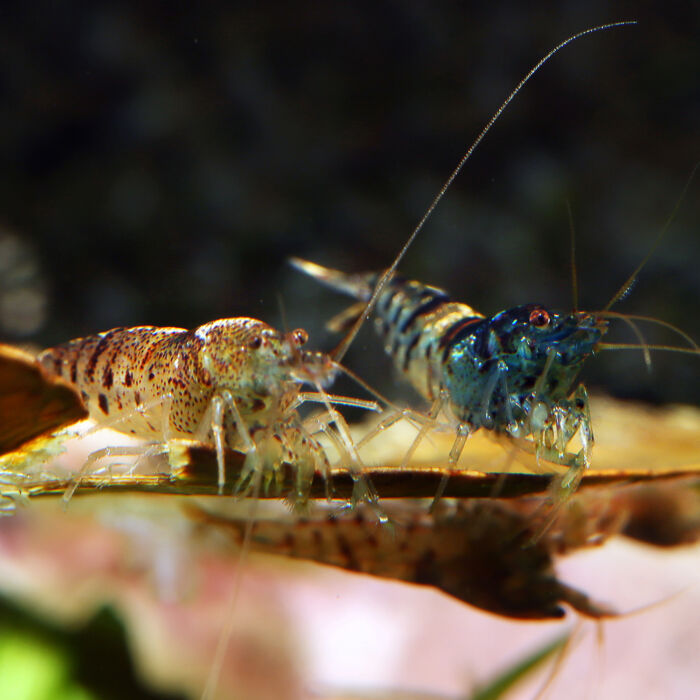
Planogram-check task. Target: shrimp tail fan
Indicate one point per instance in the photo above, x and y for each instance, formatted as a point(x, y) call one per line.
point(359, 286)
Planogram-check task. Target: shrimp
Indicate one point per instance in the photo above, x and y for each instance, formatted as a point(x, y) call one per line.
point(512, 373)
point(232, 383)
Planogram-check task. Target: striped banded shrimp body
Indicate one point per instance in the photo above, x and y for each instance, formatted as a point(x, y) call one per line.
point(512, 373)
point(234, 383)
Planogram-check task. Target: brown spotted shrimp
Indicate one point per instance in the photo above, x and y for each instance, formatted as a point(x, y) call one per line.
point(234, 383)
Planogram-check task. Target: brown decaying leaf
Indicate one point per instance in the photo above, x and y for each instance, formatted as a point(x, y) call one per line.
point(31, 404)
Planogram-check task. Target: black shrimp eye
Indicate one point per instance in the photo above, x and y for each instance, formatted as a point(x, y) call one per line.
point(300, 336)
point(539, 318)
point(255, 342)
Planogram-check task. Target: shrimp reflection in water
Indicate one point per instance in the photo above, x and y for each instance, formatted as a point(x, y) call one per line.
point(477, 552)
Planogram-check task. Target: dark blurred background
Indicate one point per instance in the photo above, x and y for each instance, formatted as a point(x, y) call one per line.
point(160, 163)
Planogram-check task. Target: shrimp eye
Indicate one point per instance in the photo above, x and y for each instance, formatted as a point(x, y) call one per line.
point(299, 336)
point(539, 318)
point(255, 342)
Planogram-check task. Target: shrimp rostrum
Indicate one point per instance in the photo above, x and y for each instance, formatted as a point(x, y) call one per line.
point(232, 383)
point(513, 373)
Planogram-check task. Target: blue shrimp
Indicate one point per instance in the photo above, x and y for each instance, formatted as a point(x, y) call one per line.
point(513, 373)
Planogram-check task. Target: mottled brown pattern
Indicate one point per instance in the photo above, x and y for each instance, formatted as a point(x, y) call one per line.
point(102, 345)
point(155, 377)
point(481, 553)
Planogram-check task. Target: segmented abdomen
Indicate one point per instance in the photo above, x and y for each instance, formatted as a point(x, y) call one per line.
point(124, 369)
point(419, 325)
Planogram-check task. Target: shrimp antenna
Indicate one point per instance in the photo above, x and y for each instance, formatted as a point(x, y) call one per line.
point(342, 348)
point(625, 288)
point(283, 313)
point(412, 417)
point(650, 319)
point(642, 341)
point(572, 255)
point(361, 382)
point(638, 346)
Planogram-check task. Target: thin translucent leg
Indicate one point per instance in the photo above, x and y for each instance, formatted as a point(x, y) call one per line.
point(335, 399)
point(214, 421)
point(563, 487)
point(141, 410)
point(324, 427)
point(121, 451)
point(363, 490)
point(165, 423)
point(428, 425)
point(323, 423)
point(463, 433)
point(498, 486)
point(217, 430)
point(252, 464)
point(391, 418)
point(495, 378)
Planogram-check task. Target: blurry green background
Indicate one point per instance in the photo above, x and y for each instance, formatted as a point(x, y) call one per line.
point(160, 163)
point(40, 660)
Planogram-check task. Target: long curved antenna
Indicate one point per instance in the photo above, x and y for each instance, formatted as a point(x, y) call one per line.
point(572, 256)
point(637, 346)
point(340, 351)
point(643, 345)
point(642, 341)
point(650, 319)
point(361, 382)
point(627, 285)
point(406, 413)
